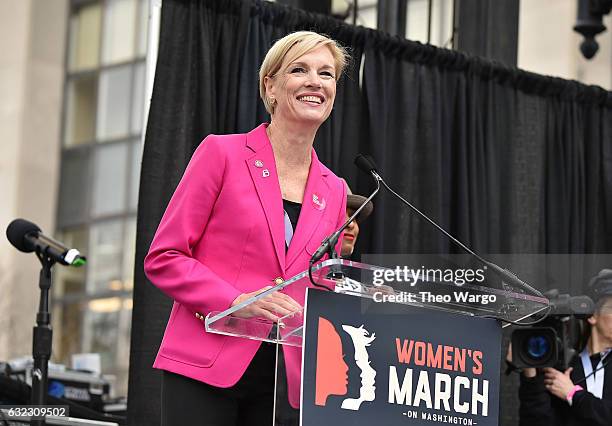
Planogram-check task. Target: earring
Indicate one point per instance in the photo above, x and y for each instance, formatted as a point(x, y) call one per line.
point(272, 100)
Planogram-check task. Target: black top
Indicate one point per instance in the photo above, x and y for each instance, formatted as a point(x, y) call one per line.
point(595, 360)
point(293, 210)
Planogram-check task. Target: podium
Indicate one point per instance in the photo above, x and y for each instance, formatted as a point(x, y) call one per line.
point(382, 335)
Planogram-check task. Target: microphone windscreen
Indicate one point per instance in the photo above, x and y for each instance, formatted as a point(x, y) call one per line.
point(365, 163)
point(16, 232)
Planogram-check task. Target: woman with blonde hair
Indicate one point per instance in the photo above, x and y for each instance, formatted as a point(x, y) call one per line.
point(248, 213)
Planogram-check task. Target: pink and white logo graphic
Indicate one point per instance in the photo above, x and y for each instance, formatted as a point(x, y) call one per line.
point(331, 369)
point(319, 203)
point(361, 340)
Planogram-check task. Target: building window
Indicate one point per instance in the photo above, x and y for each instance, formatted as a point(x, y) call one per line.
point(418, 25)
point(101, 150)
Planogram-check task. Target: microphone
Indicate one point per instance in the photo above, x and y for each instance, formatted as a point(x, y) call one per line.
point(330, 242)
point(328, 245)
point(367, 164)
point(27, 237)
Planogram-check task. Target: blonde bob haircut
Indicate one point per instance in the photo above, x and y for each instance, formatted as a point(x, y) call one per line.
point(291, 47)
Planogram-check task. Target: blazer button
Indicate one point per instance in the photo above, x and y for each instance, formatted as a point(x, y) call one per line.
point(278, 280)
point(198, 316)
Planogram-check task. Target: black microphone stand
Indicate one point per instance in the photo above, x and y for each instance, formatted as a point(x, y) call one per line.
point(366, 163)
point(42, 337)
point(335, 271)
point(498, 270)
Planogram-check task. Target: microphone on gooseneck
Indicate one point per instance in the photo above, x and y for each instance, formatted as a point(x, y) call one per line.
point(328, 245)
point(365, 163)
point(368, 165)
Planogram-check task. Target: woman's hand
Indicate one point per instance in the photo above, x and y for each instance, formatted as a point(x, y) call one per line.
point(271, 307)
point(558, 383)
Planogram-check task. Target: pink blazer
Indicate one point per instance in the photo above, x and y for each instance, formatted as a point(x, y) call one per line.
point(222, 235)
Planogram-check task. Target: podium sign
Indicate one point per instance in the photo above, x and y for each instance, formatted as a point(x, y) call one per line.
point(431, 353)
point(389, 364)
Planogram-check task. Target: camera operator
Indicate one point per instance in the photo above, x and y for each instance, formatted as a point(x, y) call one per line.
point(582, 394)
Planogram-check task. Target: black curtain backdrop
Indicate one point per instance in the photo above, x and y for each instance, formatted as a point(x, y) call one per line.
point(508, 161)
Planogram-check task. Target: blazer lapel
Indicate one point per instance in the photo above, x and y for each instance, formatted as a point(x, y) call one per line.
point(262, 167)
point(313, 207)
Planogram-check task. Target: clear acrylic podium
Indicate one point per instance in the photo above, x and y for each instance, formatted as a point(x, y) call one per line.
point(507, 303)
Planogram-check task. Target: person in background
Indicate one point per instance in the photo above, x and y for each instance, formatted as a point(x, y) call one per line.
point(351, 233)
point(581, 395)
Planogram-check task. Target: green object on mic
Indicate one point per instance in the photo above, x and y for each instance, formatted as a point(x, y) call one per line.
point(79, 262)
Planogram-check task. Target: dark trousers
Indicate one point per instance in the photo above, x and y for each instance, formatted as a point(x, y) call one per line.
point(249, 402)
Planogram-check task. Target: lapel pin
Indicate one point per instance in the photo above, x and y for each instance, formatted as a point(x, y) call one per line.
point(258, 163)
point(320, 204)
point(265, 173)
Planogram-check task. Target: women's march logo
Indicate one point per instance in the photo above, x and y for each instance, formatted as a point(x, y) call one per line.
point(332, 370)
